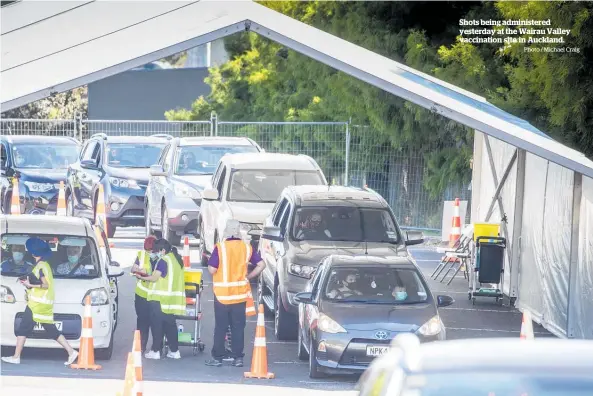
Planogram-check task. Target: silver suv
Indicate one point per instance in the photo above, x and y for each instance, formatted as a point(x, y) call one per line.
point(174, 192)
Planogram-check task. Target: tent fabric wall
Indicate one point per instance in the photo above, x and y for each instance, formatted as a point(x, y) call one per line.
point(583, 288)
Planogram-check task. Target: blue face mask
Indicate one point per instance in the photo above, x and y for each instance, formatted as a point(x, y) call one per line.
point(400, 296)
point(18, 256)
point(73, 259)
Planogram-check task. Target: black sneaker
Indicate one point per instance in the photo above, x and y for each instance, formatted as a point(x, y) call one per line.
point(238, 362)
point(213, 362)
point(229, 356)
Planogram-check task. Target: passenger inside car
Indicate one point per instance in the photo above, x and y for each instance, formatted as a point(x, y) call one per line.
point(16, 260)
point(74, 254)
point(344, 285)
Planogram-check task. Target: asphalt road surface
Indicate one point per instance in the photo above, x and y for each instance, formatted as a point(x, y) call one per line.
point(462, 319)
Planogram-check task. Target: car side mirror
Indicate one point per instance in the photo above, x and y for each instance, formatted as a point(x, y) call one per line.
point(414, 238)
point(272, 233)
point(114, 270)
point(210, 194)
point(157, 170)
point(304, 297)
point(444, 301)
point(88, 164)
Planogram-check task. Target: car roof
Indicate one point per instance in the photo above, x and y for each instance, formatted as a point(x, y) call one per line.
point(215, 141)
point(50, 225)
point(340, 260)
point(270, 161)
point(353, 196)
point(131, 139)
point(505, 353)
point(40, 139)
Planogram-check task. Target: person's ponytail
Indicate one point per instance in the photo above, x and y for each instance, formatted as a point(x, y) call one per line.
point(177, 256)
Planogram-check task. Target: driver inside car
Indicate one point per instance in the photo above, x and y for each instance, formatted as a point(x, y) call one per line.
point(399, 293)
point(313, 228)
point(74, 253)
point(345, 287)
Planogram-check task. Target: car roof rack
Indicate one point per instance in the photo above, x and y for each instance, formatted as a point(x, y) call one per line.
point(162, 135)
point(99, 135)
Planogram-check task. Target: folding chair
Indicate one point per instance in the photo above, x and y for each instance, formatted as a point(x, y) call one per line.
point(455, 257)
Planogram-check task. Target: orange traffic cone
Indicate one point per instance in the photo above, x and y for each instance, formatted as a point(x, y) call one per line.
point(86, 356)
point(455, 233)
point(129, 380)
point(250, 307)
point(259, 361)
point(137, 353)
point(527, 327)
point(101, 217)
point(61, 208)
point(15, 203)
point(186, 262)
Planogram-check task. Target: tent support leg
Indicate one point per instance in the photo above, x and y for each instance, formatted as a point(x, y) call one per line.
point(577, 193)
point(517, 225)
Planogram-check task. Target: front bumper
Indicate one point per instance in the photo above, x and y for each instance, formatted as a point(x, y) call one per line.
point(125, 209)
point(346, 353)
point(71, 317)
point(183, 215)
point(39, 202)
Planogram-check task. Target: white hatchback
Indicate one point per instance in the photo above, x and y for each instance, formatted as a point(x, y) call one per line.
point(92, 275)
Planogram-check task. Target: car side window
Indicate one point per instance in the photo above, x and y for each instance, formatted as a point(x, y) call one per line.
point(216, 175)
point(168, 157)
point(161, 160)
point(220, 185)
point(317, 280)
point(89, 151)
point(285, 217)
point(3, 156)
point(278, 214)
point(97, 154)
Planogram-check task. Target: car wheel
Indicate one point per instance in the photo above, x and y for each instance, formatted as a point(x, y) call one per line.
point(105, 353)
point(313, 365)
point(202, 248)
point(169, 235)
point(285, 324)
point(301, 351)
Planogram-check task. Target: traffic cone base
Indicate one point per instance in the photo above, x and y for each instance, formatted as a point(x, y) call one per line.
point(86, 351)
point(259, 361)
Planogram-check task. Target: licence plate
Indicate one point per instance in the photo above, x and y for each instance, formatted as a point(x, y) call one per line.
point(39, 327)
point(377, 350)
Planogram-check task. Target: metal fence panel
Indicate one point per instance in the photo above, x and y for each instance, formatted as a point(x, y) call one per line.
point(38, 127)
point(323, 141)
point(146, 128)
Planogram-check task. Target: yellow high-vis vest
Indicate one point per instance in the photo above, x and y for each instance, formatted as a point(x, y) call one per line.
point(230, 282)
point(142, 287)
point(170, 290)
point(41, 301)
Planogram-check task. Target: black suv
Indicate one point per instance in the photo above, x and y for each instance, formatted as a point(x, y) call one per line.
point(40, 163)
point(308, 224)
point(121, 164)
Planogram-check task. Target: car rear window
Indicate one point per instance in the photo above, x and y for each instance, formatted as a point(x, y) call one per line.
point(72, 257)
point(497, 384)
point(366, 283)
point(203, 160)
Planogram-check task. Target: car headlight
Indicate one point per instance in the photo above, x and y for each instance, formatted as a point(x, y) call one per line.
point(124, 183)
point(328, 325)
point(39, 187)
point(6, 295)
point(432, 327)
point(98, 296)
point(183, 190)
point(303, 271)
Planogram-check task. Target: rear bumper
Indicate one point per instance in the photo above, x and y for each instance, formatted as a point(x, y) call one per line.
point(71, 317)
point(183, 215)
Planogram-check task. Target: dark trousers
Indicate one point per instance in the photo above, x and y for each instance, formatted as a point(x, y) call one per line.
point(226, 315)
point(142, 319)
point(28, 324)
point(162, 324)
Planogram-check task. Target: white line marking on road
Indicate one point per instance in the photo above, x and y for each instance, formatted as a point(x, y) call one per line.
point(294, 362)
point(480, 310)
point(490, 330)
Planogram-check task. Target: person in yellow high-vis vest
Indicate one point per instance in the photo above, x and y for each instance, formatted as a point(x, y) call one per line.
point(166, 299)
point(228, 265)
point(40, 303)
point(144, 264)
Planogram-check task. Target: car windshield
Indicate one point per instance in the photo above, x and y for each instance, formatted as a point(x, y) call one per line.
point(203, 160)
point(37, 156)
point(344, 223)
point(72, 257)
point(368, 284)
point(266, 185)
point(501, 383)
point(133, 155)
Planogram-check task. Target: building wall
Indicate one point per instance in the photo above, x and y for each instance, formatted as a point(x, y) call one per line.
point(145, 94)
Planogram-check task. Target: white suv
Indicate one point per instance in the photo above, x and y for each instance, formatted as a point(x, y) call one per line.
point(245, 187)
point(94, 275)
